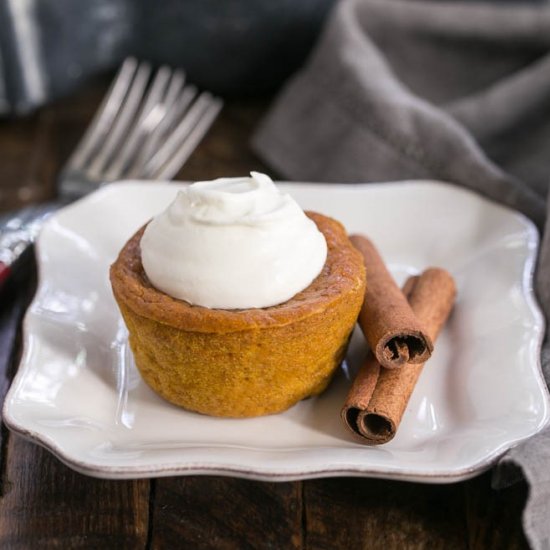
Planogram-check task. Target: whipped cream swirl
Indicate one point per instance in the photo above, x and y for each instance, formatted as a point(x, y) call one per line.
point(233, 243)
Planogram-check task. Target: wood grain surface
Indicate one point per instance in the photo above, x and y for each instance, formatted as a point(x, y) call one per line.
point(44, 504)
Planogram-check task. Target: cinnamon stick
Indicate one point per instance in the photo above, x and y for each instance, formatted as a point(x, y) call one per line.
point(378, 397)
point(393, 331)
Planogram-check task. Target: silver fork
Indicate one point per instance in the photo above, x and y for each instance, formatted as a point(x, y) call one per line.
point(146, 128)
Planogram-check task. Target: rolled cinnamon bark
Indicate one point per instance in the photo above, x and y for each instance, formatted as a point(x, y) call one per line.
point(378, 397)
point(393, 331)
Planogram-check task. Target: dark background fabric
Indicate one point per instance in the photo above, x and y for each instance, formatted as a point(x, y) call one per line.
point(239, 47)
point(453, 91)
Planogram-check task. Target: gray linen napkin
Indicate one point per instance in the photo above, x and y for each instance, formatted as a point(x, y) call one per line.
point(399, 89)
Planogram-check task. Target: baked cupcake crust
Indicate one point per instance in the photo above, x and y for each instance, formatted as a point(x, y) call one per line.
point(244, 362)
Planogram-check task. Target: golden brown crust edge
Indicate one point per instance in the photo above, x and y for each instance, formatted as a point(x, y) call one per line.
point(343, 272)
point(249, 373)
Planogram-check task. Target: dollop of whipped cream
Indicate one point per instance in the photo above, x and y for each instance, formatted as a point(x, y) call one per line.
point(233, 243)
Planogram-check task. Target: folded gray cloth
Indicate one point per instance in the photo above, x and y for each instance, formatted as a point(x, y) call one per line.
point(456, 91)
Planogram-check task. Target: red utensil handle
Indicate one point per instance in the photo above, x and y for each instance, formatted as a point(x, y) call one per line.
point(4, 272)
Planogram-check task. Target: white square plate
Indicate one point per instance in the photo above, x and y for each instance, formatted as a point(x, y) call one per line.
point(78, 394)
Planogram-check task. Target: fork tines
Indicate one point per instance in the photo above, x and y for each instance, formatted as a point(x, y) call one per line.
point(146, 127)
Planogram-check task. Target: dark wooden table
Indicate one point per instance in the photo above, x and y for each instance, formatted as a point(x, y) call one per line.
point(44, 504)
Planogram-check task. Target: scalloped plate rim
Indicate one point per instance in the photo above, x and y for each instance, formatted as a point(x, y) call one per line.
point(272, 473)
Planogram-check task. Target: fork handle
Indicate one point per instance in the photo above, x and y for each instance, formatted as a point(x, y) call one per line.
point(11, 252)
point(18, 231)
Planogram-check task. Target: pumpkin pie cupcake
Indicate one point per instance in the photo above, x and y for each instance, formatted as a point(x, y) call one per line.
point(237, 303)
